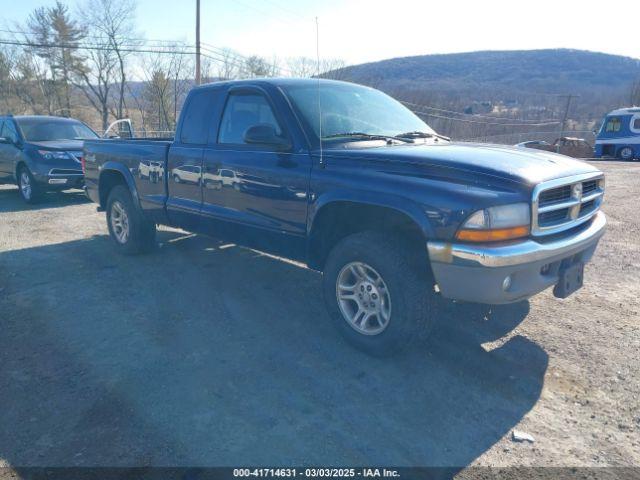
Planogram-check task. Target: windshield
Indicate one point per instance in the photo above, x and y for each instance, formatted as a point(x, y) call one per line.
point(348, 108)
point(43, 130)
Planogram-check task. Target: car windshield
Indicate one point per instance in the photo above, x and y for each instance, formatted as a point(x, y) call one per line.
point(43, 130)
point(349, 111)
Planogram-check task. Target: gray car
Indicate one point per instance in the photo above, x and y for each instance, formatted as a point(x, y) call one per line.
point(42, 153)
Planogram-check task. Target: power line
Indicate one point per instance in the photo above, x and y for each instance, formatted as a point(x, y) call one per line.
point(464, 120)
point(80, 46)
point(139, 47)
point(523, 122)
point(225, 54)
point(99, 37)
point(84, 46)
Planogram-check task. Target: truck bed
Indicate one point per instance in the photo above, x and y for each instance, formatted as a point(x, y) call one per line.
point(145, 159)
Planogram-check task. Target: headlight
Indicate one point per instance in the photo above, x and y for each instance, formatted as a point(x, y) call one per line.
point(51, 155)
point(497, 223)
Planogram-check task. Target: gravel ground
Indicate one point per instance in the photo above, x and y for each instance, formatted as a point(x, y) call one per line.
point(208, 354)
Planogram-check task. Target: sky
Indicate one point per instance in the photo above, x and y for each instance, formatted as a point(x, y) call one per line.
point(363, 31)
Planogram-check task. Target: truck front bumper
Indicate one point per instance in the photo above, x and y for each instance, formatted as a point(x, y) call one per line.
point(509, 272)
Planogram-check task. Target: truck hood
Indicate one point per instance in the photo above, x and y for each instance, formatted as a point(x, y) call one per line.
point(65, 145)
point(522, 165)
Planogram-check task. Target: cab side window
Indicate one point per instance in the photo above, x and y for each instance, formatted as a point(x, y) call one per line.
point(636, 124)
point(244, 110)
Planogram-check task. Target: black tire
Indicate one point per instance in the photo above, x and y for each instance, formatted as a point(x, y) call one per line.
point(626, 154)
point(32, 195)
point(141, 231)
point(408, 282)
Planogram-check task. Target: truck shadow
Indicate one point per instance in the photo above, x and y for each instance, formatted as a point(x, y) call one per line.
point(203, 354)
point(10, 200)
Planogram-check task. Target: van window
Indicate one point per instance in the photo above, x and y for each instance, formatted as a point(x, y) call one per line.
point(197, 119)
point(613, 125)
point(636, 124)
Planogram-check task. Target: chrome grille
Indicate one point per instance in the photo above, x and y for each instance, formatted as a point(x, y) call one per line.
point(64, 172)
point(555, 195)
point(565, 203)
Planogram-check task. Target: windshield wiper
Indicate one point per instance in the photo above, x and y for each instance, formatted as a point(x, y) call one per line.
point(418, 134)
point(368, 136)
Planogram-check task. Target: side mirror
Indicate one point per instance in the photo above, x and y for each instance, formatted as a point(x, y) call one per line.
point(265, 134)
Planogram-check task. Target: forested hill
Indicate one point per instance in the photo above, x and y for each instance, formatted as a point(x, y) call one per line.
point(558, 71)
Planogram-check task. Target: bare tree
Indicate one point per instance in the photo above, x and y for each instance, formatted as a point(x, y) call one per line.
point(165, 86)
point(228, 64)
point(302, 67)
point(255, 66)
point(114, 21)
point(332, 68)
point(96, 81)
point(305, 67)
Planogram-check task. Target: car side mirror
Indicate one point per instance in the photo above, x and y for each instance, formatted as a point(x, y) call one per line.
point(265, 134)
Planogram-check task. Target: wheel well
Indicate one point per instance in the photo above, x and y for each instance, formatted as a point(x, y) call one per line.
point(19, 165)
point(341, 219)
point(108, 180)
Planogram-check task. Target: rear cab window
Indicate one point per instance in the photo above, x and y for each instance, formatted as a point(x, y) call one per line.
point(198, 117)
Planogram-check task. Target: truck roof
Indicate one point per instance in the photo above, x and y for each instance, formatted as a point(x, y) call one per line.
point(625, 111)
point(42, 118)
point(276, 82)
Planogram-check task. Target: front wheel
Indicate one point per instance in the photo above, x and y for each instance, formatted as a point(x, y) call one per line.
point(129, 229)
point(30, 192)
point(377, 295)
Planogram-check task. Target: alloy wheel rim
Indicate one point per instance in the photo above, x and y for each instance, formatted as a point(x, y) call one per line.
point(119, 222)
point(363, 298)
point(25, 185)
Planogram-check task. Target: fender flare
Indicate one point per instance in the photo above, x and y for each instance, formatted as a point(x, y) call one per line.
point(112, 166)
point(397, 203)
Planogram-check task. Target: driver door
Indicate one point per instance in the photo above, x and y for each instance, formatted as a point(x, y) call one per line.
point(258, 192)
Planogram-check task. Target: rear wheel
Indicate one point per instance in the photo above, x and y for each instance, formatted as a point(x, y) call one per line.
point(377, 295)
point(129, 229)
point(626, 153)
point(29, 190)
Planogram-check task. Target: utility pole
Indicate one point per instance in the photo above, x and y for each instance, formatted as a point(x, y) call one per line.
point(566, 115)
point(198, 79)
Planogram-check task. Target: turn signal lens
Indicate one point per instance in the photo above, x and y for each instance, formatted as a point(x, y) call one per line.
point(492, 235)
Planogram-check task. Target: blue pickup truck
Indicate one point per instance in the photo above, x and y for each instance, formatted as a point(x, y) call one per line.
point(347, 180)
